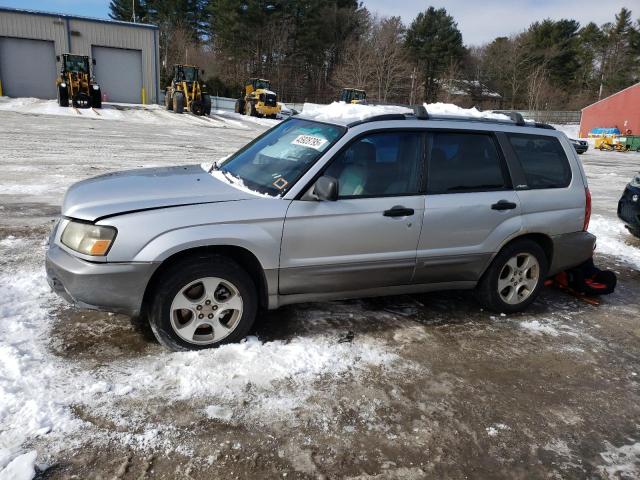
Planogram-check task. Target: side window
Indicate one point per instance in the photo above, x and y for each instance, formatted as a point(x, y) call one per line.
point(543, 160)
point(380, 164)
point(464, 162)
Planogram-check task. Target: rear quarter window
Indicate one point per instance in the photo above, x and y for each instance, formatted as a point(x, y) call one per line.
point(543, 160)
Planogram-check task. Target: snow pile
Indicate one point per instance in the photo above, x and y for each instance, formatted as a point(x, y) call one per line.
point(252, 381)
point(613, 238)
point(233, 181)
point(20, 468)
point(274, 376)
point(455, 111)
point(35, 399)
point(570, 130)
point(347, 112)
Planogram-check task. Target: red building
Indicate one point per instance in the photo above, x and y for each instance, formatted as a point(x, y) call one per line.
point(621, 110)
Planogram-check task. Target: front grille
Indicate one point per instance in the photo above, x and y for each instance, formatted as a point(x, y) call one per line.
point(270, 100)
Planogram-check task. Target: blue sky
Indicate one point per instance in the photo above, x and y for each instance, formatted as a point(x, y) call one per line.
point(479, 21)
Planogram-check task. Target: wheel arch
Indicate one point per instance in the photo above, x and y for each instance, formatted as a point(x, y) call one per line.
point(245, 258)
point(544, 241)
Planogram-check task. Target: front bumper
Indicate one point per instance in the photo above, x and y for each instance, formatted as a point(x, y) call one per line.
point(570, 250)
point(112, 287)
point(628, 208)
point(267, 110)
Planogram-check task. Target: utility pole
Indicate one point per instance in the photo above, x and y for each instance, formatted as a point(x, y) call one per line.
point(133, 10)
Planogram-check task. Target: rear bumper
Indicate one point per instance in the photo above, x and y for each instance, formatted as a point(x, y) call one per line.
point(112, 287)
point(628, 208)
point(570, 250)
point(266, 110)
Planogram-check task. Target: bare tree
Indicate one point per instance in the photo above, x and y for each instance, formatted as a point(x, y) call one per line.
point(391, 67)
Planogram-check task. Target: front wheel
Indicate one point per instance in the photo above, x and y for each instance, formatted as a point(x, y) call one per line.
point(63, 96)
point(178, 102)
point(514, 279)
point(203, 302)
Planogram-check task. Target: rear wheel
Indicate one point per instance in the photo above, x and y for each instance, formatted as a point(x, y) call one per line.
point(63, 96)
point(203, 302)
point(206, 104)
point(178, 102)
point(514, 279)
point(635, 231)
point(168, 100)
point(239, 107)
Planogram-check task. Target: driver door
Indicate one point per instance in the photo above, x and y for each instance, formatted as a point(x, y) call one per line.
point(368, 237)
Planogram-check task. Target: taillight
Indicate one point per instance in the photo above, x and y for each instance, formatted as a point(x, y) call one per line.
point(587, 209)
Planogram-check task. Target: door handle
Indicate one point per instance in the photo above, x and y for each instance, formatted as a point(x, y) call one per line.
point(398, 212)
point(503, 205)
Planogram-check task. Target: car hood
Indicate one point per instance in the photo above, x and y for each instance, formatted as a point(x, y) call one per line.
point(145, 189)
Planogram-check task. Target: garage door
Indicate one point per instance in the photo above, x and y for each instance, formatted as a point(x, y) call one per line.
point(119, 73)
point(27, 68)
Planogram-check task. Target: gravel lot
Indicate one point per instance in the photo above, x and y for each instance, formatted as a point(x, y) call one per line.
point(430, 386)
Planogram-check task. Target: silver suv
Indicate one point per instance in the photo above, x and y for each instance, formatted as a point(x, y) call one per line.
point(316, 210)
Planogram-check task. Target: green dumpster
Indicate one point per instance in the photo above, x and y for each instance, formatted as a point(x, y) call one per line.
point(630, 142)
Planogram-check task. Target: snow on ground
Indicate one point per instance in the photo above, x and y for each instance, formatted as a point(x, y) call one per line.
point(257, 382)
point(615, 240)
point(621, 462)
point(39, 390)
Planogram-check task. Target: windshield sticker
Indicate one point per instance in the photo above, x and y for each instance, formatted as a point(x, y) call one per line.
point(309, 141)
point(280, 183)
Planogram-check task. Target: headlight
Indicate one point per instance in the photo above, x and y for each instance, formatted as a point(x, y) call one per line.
point(635, 182)
point(88, 239)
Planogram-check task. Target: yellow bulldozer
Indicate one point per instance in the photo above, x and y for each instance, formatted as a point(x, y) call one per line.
point(187, 92)
point(353, 96)
point(257, 99)
point(76, 84)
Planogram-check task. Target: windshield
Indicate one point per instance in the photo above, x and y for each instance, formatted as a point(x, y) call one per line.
point(76, 64)
point(273, 162)
point(190, 74)
point(264, 84)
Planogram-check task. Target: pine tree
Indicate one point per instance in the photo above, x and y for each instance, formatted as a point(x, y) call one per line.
point(128, 10)
point(435, 42)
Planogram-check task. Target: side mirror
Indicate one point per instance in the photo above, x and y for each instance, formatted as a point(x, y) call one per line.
point(326, 189)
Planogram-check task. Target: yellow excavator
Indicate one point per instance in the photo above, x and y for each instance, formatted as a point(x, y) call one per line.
point(257, 99)
point(187, 92)
point(353, 95)
point(75, 83)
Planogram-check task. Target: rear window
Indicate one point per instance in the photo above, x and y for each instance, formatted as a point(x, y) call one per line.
point(464, 162)
point(543, 160)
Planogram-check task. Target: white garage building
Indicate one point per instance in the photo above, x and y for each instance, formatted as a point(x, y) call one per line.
point(126, 54)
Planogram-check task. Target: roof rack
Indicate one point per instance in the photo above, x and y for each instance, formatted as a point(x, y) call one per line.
point(420, 113)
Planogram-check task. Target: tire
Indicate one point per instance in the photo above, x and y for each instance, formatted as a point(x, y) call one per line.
point(239, 108)
point(63, 96)
point(635, 231)
point(206, 104)
point(520, 284)
point(178, 102)
point(96, 98)
point(168, 100)
point(250, 109)
point(185, 283)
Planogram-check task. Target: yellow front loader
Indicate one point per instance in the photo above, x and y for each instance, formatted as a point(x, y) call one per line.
point(76, 84)
point(353, 95)
point(257, 99)
point(187, 92)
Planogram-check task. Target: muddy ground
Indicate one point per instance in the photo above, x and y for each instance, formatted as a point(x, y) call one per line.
point(551, 393)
